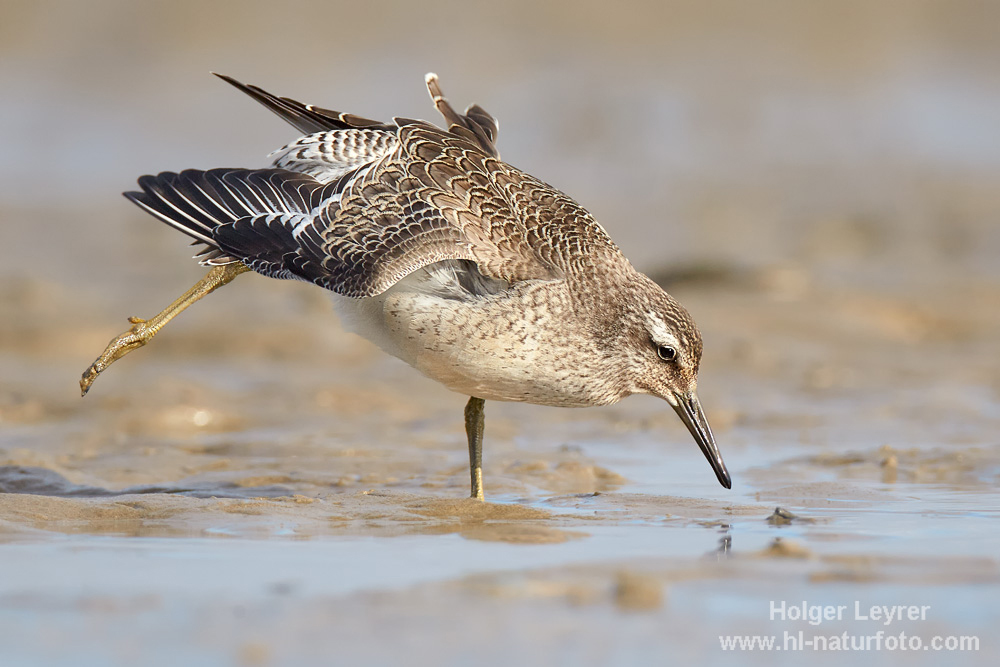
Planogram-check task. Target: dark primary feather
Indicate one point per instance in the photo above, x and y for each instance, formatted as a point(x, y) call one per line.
point(240, 214)
point(305, 117)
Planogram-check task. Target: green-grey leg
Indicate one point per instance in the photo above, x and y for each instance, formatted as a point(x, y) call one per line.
point(143, 331)
point(474, 425)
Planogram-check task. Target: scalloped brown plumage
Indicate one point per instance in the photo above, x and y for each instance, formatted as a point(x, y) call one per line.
point(479, 275)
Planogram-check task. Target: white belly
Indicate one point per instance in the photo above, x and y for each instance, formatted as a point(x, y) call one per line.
point(506, 347)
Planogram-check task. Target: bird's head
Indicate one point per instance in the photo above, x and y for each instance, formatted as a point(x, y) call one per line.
point(663, 346)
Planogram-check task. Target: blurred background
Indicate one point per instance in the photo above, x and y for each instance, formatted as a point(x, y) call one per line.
point(844, 136)
point(818, 182)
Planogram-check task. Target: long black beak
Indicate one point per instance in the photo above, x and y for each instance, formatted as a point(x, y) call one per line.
point(689, 409)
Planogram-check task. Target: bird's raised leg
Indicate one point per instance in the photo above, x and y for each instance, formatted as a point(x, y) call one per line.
point(474, 425)
point(143, 330)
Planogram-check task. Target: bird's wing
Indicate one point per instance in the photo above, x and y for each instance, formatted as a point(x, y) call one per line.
point(355, 207)
point(435, 197)
point(439, 196)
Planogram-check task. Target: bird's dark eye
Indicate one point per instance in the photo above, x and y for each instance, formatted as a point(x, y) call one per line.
point(666, 352)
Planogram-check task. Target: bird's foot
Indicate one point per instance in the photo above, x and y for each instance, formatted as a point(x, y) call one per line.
point(140, 334)
point(142, 331)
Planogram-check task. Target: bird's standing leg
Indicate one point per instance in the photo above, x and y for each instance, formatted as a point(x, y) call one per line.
point(143, 330)
point(474, 425)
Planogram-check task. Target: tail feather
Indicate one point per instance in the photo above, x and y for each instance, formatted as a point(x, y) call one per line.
point(475, 124)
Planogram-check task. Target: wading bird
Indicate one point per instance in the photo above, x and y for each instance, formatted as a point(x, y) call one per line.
point(475, 273)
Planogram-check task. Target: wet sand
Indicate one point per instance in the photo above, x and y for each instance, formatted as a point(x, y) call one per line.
point(285, 497)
